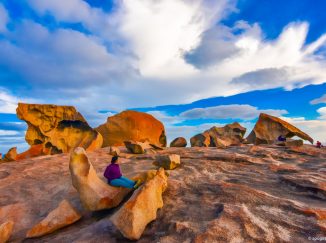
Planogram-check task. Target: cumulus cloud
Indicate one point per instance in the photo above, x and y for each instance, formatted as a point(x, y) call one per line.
point(322, 112)
point(4, 18)
point(244, 112)
point(319, 100)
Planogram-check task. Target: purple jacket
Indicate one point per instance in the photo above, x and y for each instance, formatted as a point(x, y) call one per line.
point(112, 172)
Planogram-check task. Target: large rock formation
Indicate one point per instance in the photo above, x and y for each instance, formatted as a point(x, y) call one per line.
point(269, 128)
point(132, 125)
point(221, 137)
point(60, 217)
point(57, 128)
point(141, 208)
point(5, 231)
point(179, 142)
point(94, 193)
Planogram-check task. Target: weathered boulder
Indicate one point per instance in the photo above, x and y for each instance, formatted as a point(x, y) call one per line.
point(114, 151)
point(11, 155)
point(200, 140)
point(269, 128)
point(5, 231)
point(136, 147)
point(179, 142)
point(132, 125)
point(57, 128)
point(60, 217)
point(94, 193)
point(168, 162)
point(221, 137)
point(132, 218)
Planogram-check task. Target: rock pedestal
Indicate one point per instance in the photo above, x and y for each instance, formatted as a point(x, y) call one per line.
point(94, 193)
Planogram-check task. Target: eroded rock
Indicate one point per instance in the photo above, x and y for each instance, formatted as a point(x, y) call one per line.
point(168, 162)
point(11, 155)
point(5, 231)
point(57, 128)
point(132, 125)
point(136, 147)
point(220, 137)
point(141, 208)
point(179, 142)
point(94, 193)
point(60, 217)
point(269, 128)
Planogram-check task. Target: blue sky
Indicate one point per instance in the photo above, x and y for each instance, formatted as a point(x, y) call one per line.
point(192, 64)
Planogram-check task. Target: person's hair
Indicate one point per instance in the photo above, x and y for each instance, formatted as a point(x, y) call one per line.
point(114, 159)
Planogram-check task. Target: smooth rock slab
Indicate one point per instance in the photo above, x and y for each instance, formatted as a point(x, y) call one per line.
point(5, 231)
point(141, 208)
point(60, 217)
point(94, 193)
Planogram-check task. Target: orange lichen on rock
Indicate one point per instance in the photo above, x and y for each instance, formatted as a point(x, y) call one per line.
point(132, 125)
point(141, 208)
point(60, 217)
point(269, 128)
point(5, 231)
point(57, 128)
point(94, 193)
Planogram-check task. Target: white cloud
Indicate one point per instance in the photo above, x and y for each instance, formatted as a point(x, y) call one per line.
point(322, 112)
point(319, 100)
point(8, 133)
point(135, 56)
point(244, 112)
point(4, 18)
point(159, 32)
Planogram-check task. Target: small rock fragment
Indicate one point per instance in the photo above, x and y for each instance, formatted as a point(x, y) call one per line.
point(60, 217)
point(114, 151)
point(11, 155)
point(135, 147)
point(168, 162)
point(5, 231)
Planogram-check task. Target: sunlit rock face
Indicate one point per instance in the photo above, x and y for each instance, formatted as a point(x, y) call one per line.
point(132, 125)
point(141, 208)
point(60, 217)
point(269, 128)
point(58, 129)
point(220, 137)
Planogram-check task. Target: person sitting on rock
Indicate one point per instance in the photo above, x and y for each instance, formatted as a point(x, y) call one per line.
point(114, 176)
point(318, 144)
point(281, 138)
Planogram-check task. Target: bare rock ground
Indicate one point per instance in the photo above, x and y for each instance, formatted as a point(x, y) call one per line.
point(239, 194)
